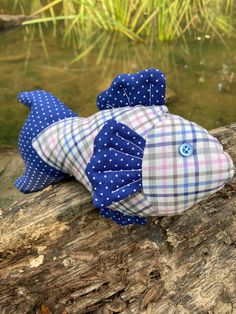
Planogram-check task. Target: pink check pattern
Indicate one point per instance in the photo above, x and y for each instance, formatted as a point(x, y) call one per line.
point(171, 183)
point(68, 145)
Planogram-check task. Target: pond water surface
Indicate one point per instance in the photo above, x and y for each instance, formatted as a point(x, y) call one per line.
point(201, 74)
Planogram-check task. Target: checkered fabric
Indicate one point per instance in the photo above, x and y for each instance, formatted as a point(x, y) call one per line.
point(171, 182)
point(68, 144)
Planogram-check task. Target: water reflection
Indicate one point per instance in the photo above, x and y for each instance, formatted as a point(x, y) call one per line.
point(227, 79)
point(201, 74)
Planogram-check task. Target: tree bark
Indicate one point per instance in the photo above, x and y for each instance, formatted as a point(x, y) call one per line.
point(58, 256)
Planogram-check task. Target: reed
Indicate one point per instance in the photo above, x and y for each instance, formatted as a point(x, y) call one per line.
point(85, 22)
point(136, 19)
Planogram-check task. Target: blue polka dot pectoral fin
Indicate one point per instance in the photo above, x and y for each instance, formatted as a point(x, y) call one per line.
point(146, 88)
point(115, 169)
point(122, 219)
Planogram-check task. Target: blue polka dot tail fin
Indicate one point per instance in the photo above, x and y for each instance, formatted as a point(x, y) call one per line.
point(25, 98)
point(41, 100)
point(45, 109)
point(146, 88)
point(34, 180)
point(115, 169)
point(122, 219)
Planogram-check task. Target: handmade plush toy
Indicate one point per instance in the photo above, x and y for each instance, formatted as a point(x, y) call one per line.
point(135, 157)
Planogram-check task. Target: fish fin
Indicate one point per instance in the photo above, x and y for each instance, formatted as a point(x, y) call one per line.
point(122, 219)
point(146, 88)
point(34, 180)
point(115, 169)
point(44, 102)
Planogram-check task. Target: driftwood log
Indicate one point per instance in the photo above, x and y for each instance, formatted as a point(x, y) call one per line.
point(59, 256)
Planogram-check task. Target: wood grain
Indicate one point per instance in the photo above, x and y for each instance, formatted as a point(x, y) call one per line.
point(59, 256)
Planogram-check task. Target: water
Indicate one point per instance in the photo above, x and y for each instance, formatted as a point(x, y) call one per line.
point(200, 74)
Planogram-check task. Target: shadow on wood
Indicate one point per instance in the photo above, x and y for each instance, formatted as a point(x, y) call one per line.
point(58, 254)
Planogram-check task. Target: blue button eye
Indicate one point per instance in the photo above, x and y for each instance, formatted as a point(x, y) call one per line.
point(186, 149)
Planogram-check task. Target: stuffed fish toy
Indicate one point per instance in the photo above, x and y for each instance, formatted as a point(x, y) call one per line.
point(135, 157)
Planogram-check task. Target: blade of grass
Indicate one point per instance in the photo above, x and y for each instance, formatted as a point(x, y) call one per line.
point(46, 7)
point(48, 19)
point(137, 15)
point(148, 20)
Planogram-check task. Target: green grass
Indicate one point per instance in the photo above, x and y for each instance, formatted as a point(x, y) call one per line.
point(136, 19)
point(85, 21)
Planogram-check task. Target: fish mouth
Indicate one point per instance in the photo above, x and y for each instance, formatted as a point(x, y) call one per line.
point(232, 167)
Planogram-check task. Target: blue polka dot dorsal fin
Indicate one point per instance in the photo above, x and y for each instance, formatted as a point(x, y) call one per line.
point(146, 88)
point(115, 169)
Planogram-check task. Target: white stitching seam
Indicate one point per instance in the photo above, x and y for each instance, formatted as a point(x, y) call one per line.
point(125, 186)
point(150, 95)
point(125, 153)
point(126, 95)
point(129, 142)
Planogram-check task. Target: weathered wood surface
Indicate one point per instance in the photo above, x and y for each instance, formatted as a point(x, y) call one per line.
point(11, 166)
point(59, 256)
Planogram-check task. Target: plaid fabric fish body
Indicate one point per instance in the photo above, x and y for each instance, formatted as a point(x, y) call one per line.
point(135, 157)
point(68, 144)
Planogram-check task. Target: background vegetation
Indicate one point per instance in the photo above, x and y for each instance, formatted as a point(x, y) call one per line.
point(85, 23)
point(136, 19)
